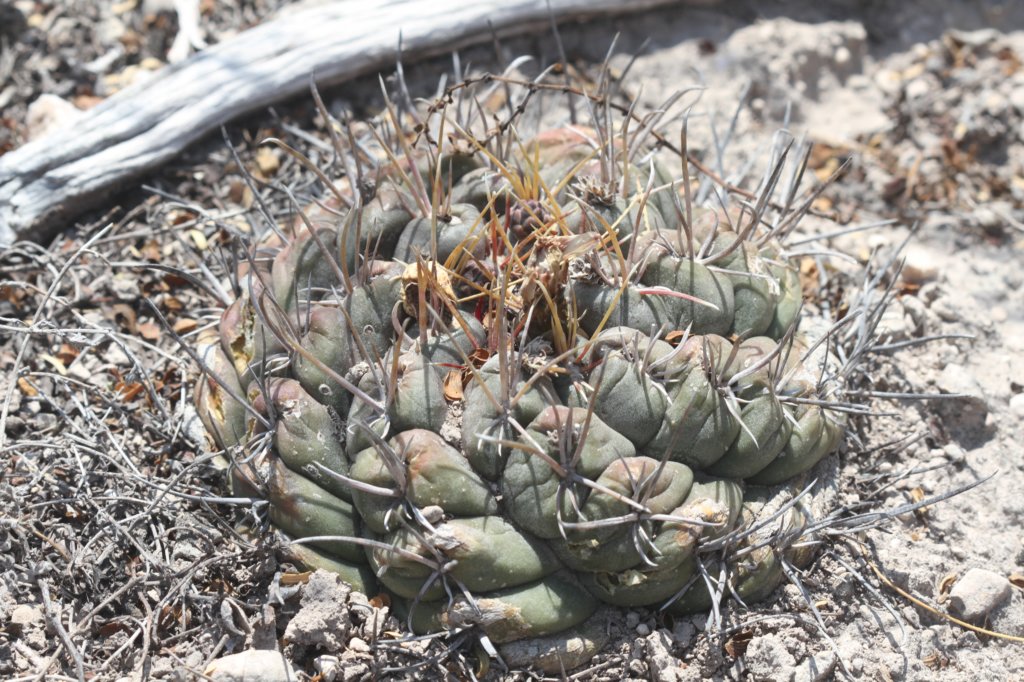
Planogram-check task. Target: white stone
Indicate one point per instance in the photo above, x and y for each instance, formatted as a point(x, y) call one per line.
point(975, 38)
point(1017, 97)
point(958, 379)
point(110, 30)
point(920, 265)
point(663, 665)
point(49, 113)
point(918, 88)
point(356, 644)
point(25, 615)
point(768, 659)
point(977, 593)
point(816, 668)
point(251, 666)
point(893, 325)
point(323, 619)
point(1017, 405)
point(945, 309)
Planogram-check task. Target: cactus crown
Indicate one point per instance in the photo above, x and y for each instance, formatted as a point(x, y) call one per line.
point(514, 378)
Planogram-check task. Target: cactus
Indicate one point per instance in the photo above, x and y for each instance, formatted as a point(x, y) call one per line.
point(511, 388)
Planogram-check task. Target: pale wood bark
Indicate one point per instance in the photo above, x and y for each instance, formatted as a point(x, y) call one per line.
point(48, 182)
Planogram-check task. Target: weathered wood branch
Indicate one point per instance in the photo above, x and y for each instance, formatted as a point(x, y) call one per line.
point(48, 182)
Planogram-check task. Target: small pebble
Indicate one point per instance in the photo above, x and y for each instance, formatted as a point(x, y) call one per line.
point(977, 593)
point(767, 658)
point(1017, 405)
point(920, 266)
point(643, 629)
point(946, 310)
point(1017, 99)
point(254, 665)
point(45, 421)
point(918, 88)
point(958, 379)
point(816, 668)
point(24, 615)
point(954, 452)
point(49, 113)
point(988, 219)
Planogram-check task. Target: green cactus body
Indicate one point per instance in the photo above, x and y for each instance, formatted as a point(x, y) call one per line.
point(222, 415)
point(524, 406)
point(301, 508)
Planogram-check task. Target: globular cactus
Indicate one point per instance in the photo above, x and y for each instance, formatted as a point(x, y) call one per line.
point(513, 386)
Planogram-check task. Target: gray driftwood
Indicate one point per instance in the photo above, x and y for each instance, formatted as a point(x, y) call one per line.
point(47, 182)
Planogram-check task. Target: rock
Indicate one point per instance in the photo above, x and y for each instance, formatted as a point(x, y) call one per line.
point(977, 593)
point(24, 616)
point(1017, 98)
point(917, 312)
point(918, 88)
point(1017, 405)
point(767, 658)
point(356, 644)
point(946, 309)
point(958, 379)
point(683, 633)
point(816, 668)
point(920, 265)
point(264, 629)
point(902, 319)
point(322, 621)
point(954, 453)
point(663, 665)
point(110, 30)
point(157, 6)
point(970, 409)
point(988, 220)
point(354, 671)
point(48, 113)
point(894, 325)
point(977, 38)
point(329, 667)
point(253, 665)
point(29, 623)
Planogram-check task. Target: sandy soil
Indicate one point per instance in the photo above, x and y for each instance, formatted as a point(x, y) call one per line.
point(103, 575)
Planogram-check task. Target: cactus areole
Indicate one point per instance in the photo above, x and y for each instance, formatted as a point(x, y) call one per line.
point(509, 381)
